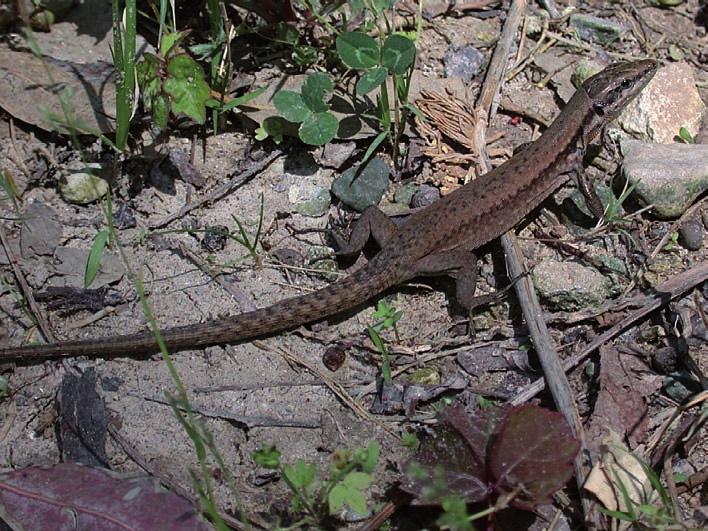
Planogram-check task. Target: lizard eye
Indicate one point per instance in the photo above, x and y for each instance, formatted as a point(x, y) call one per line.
point(599, 109)
point(626, 83)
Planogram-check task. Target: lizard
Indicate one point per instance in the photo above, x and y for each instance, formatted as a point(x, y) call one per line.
point(439, 239)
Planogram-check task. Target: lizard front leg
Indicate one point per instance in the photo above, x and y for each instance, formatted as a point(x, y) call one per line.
point(592, 200)
point(372, 223)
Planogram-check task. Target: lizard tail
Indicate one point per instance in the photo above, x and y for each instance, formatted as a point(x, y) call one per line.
point(344, 294)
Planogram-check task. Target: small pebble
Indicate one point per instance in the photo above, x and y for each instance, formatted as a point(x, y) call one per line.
point(124, 217)
point(214, 241)
point(425, 195)
point(463, 63)
point(691, 234)
point(665, 360)
point(334, 357)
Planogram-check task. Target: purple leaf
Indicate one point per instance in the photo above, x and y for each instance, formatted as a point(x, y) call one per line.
point(523, 454)
point(446, 464)
point(70, 496)
point(477, 429)
point(533, 455)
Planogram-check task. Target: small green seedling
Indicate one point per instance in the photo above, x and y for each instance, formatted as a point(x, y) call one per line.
point(613, 218)
point(389, 317)
point(409, 440)
point(454, 516)
point(93, 264)
point(381, 347)
point(686, 136)
point(172, 82)
point(250, 244)
point(394, 58)
point(614, 205)
point(672, 244)
point(310, 109)
point(350, 473)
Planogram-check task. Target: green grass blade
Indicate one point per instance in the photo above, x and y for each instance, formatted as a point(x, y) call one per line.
point(94, 260)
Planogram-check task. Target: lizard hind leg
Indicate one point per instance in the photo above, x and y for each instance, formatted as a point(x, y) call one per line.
point(459, 263)
point(462, 265)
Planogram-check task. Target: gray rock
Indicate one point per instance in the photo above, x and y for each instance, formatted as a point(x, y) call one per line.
point(570, 285)
point(320, 258)
point(41, 231)
point(596, 29)
point(309, 199)
point(669, 176)
point(362, 189)
point(404, 195)
point(81, 183)
point(669, 102)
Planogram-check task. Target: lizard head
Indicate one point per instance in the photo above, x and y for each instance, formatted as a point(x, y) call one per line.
point(612, 89)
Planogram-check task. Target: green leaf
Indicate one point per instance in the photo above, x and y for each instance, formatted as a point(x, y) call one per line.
point(341, 494)
point(357, 50)
point(356, 7)
point(371, 80)
point(170, 40)
point(382, 310)
point(291, 106)
point(261, 133)
point(305, 55)
point(313, 91)
point(204, 51)
point(187, 87)
point(147, 70)
point(454, 515)
point(619, 515)
point(160, 111)
point(94, 260)
point(388, 316)
point(409, 440)
point(337, 497)
point(398, 54)
point(368, 463)
point(686, 136)
point(412, 108)
point(8, 185)
point(383, 5)
point(318, 128)
point(374, 145)
point(381, 347)
point(267, 457)
point(149, 80)
point(273, 127)
point(358, 480)
point(302, 474)
point(287, 33)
